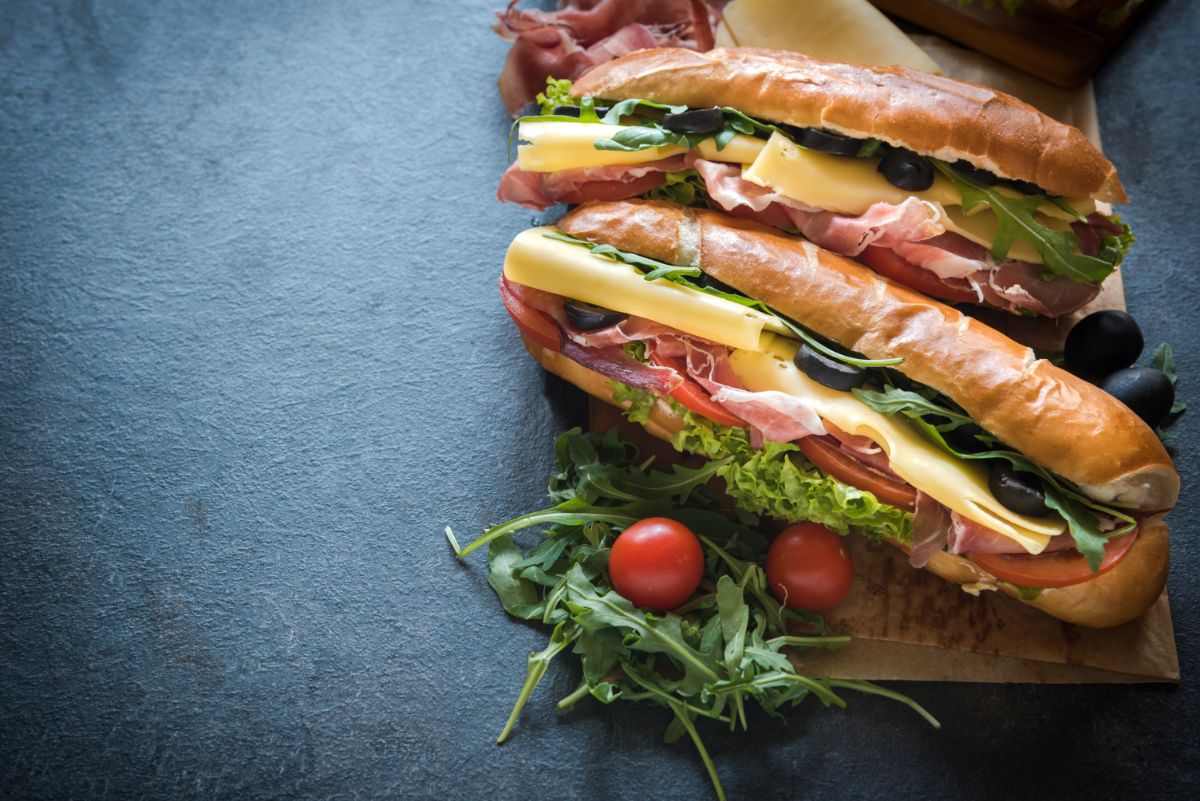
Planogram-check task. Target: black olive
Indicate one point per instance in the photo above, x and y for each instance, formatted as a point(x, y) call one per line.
point(906, 170)
point(1026, 188)
point(573, 111)
point(695, 121)
point(826, 141)
point(1148, 392)
point(962, 439)
point(824, 370)
point(589, 317)
point(973, 173)
point(1102, 343)
point(1017, 490)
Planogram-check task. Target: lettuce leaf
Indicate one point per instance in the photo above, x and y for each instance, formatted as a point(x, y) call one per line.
point(777, 481)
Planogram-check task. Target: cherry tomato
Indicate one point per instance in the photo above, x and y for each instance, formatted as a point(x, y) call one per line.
point(902, 271)
point(656, 563)
point(808, 567)
point(845, 468)
point(1057, 569)
point(534, 324)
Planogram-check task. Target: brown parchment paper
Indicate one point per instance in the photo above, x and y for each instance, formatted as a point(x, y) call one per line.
point(908, 624)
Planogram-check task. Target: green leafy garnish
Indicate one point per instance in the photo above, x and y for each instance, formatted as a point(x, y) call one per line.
point(728, 646)
point(686, 188)
point(679, 274)
point(1075, 508)
point(1059, 249)
point(1164, 360)
point(558, 93)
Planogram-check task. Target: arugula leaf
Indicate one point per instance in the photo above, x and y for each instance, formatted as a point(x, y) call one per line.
point(1075, 509)
point(562, 636)
point(1164, 361)
point(519, 597)
point(1060, 250)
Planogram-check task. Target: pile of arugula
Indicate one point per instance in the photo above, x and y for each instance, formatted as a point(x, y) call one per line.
point(727, 646)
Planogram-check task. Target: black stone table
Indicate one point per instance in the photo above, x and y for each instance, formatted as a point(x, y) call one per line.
point(253, 361)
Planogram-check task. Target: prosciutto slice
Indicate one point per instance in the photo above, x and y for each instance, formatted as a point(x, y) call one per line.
point(931, 526)
point(540, 190)
point(568, 42)
point(914, 231)
point(967, 536)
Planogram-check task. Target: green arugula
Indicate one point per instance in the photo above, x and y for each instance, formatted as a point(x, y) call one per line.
point(709, 658)
point(1059, 249)
point(1075, 508)
point(1164, 361)
point(680, 273)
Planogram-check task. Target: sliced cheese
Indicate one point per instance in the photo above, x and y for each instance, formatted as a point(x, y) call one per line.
point(572, 270)
point(955, 483)
point(832, 30)
point(835, 183)
point(555, 146)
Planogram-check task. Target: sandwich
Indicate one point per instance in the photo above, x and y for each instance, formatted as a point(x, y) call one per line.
point(959, 191)
point(831, 394)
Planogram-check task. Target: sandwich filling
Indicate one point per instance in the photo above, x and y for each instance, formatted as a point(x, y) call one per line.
point(876, 457)
point(950, 231)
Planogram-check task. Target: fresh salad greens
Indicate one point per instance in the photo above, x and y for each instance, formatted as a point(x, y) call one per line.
point(726, 647)
point(680, 274)
point(1164, 360)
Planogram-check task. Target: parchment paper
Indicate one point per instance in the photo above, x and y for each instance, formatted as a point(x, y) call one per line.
point(908, 623)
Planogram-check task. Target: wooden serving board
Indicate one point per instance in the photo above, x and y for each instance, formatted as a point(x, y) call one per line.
point(1055, 48)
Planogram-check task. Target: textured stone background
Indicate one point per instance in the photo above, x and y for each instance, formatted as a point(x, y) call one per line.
point(253, 362)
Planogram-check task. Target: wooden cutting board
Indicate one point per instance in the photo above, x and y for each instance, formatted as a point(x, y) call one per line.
point(1055, 48)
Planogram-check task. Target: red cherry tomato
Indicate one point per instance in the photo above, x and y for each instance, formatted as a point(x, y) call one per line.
point(845, 468)
point(656, 563)
point(808, 567)
point(902, 271)
point(1057, 569)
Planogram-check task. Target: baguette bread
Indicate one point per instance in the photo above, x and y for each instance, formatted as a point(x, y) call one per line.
point(1115, 597)
point(1063, 423)
point(932, 115)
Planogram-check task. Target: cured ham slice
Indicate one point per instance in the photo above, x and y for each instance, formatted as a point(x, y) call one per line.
point(540, 190)
point(568, 42)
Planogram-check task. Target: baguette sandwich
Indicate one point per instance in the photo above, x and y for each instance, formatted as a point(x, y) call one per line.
point(956, 190)
point(833, 395)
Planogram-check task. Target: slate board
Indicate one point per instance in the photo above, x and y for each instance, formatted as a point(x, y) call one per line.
point(253, 362)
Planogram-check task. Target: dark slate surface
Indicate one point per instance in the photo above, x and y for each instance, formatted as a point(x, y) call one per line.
point(253, 362)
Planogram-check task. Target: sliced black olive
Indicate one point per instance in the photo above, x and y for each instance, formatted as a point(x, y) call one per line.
point(1026, 188)
point(1016, 490)
point(573, 111)
point(1148, 392)
point(695, 121)
point(906, 170)
point(826, 141)
point(589, 317)
point(831, 373)
point(973, 173)
point(1102, 343)
point(962, 439)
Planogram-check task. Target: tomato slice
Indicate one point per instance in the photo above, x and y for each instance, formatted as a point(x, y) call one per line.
point(611, 190)
point(889, 265)
point(845, 468)
point(534, 324)
point(692, 395)
point(1058, 569)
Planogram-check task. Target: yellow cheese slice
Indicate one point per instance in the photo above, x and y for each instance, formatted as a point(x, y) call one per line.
point(572, 270)
point(957, 484)
point(832, 30)
point(555, 146)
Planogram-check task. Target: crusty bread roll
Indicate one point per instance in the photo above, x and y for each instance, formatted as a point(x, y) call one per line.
point(1062, 422)
point(930, 114)
point(1115, 597)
